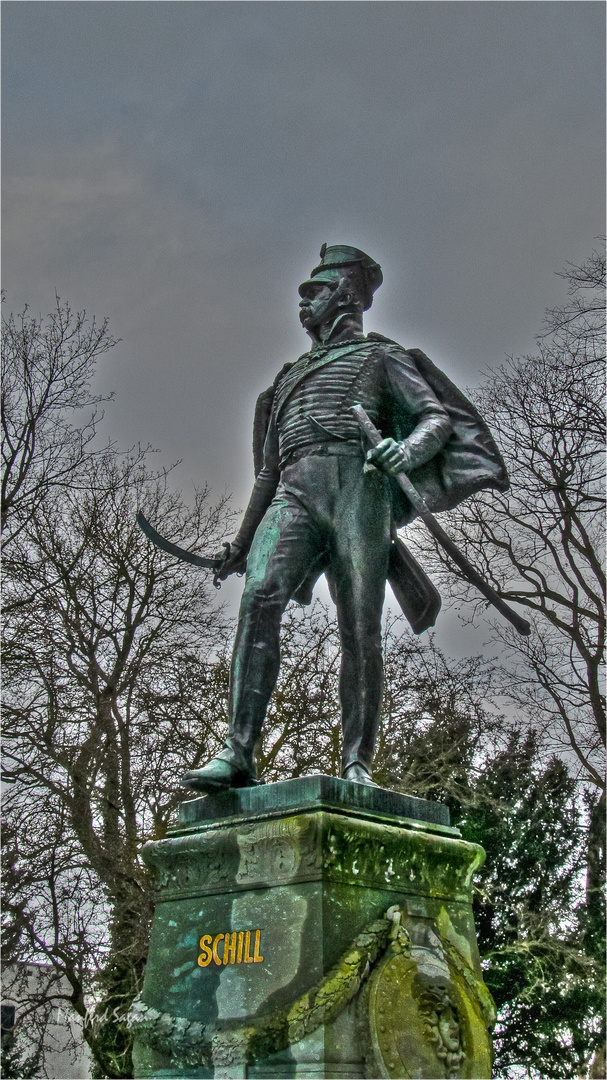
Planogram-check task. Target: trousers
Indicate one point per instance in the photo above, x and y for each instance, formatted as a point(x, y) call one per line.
point(326, 513)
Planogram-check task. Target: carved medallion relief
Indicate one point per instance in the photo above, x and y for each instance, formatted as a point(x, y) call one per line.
point(424, 1022)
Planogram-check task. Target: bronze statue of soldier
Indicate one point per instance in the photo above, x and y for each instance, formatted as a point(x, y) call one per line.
point(324, 503)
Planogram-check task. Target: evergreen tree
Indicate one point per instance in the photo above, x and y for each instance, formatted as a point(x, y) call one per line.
point(540, 944)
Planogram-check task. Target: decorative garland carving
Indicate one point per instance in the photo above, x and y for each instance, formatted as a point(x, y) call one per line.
point(188, 1042)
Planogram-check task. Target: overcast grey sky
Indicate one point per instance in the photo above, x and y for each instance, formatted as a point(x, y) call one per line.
point(177, 165)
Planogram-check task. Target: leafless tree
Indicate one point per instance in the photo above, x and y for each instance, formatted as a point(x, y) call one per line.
point(116, 657)
point(53, 929)
point(47, 422)
point(110, 686)
point(542, 543)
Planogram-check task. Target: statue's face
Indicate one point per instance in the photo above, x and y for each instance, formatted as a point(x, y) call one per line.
point(320, 301)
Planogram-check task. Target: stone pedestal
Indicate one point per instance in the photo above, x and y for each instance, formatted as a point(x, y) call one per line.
point(313, 928)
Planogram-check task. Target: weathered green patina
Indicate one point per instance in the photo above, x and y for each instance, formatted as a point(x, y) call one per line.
point(324, 501)
point(369, 966)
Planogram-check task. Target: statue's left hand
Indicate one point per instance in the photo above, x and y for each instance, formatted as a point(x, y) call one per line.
point(391, 456)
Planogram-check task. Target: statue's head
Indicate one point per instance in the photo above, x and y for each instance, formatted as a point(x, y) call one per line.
point(343, 282)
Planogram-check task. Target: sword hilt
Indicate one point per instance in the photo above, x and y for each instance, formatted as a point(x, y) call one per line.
point(227, 548)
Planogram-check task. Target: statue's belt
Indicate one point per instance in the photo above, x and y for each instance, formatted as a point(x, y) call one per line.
point(326, 449)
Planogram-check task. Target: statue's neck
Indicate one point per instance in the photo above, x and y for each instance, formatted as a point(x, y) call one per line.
point(347, 325)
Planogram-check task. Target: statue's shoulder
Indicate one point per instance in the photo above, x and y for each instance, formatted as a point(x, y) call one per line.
point(373, 336)
point(266, 396)
point(283, 371)
point(439, 382)
point(263, 410)
point(423, 362)
point(390, 345)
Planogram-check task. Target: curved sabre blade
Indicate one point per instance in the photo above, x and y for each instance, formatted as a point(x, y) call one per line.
point(173, 549)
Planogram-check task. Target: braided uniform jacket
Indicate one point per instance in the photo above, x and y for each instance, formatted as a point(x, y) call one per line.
point(313, 402)
point(452, 450)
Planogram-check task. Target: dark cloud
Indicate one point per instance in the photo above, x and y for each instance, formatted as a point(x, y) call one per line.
point(177, 166)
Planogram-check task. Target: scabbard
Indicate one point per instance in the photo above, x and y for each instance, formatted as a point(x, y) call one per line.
point(417, 596)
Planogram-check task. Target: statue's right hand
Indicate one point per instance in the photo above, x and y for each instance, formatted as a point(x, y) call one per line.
point(234, 563)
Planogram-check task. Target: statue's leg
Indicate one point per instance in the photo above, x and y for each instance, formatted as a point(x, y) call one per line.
point(359, 565)
point(285, 546)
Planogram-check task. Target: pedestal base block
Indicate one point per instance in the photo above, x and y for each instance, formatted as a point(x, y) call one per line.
point(313, 928)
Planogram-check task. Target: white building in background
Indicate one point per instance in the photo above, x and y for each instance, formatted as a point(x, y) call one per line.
point(65, 1055)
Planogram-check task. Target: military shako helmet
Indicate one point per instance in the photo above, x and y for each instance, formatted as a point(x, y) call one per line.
point(366, 273)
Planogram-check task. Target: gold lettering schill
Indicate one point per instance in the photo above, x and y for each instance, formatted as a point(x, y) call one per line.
point(233, 947)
